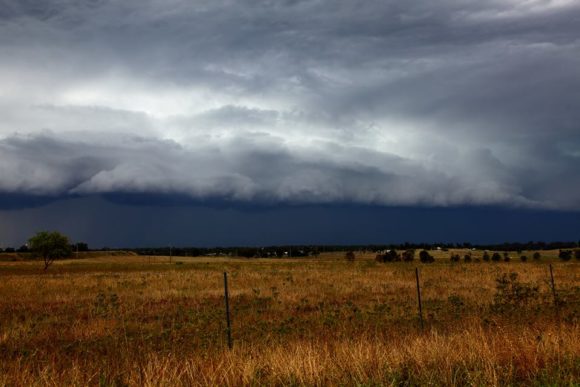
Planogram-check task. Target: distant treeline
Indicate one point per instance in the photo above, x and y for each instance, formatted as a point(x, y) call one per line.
point(81, 247)
point(314, 250)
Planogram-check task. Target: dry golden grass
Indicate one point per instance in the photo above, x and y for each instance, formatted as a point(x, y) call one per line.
point(142, 321)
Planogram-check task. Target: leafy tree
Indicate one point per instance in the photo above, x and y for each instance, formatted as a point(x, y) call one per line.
point(81, 246)
point(248, 252)
point(50, 246)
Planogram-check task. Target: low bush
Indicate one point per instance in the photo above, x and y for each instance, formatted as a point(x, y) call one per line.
point(425, 257)
point(409, 255)
point(389, 256)
point(565, 255)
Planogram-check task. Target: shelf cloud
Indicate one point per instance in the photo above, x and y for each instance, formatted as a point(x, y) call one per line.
point(292, 102)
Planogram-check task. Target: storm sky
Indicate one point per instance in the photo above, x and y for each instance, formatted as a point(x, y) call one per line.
point(220, 118)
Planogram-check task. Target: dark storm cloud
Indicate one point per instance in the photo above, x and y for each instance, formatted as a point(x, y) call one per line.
point(377, 102)
point(106, 223)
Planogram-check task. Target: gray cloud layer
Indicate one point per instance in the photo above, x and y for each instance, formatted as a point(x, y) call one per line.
point(382, 102)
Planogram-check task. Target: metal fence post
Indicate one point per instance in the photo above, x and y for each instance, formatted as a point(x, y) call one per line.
point(554, 291)
point(419, 298)
point(226, 296)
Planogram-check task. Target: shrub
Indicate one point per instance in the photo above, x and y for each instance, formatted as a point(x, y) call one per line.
point(425, 257)
point(454, 258)
point(486, 256)
point(523, 258)
point(350, 256)
point(577, 254)
point(565, 255)
point(506, 257)
point(389, 256)
point(537, 256)
point(467, 257)
point(409, 255)
point(496, 257)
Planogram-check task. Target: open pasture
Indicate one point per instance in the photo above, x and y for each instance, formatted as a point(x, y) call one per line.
point(137, 320)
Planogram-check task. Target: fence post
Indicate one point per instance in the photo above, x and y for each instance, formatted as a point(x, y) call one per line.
point(226, 296)
point(419, 298)
point(554, 289)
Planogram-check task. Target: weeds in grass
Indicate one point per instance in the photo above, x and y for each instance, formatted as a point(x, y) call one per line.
point(511, 294)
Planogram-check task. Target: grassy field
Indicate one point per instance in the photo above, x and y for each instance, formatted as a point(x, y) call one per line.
point(130, 320)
